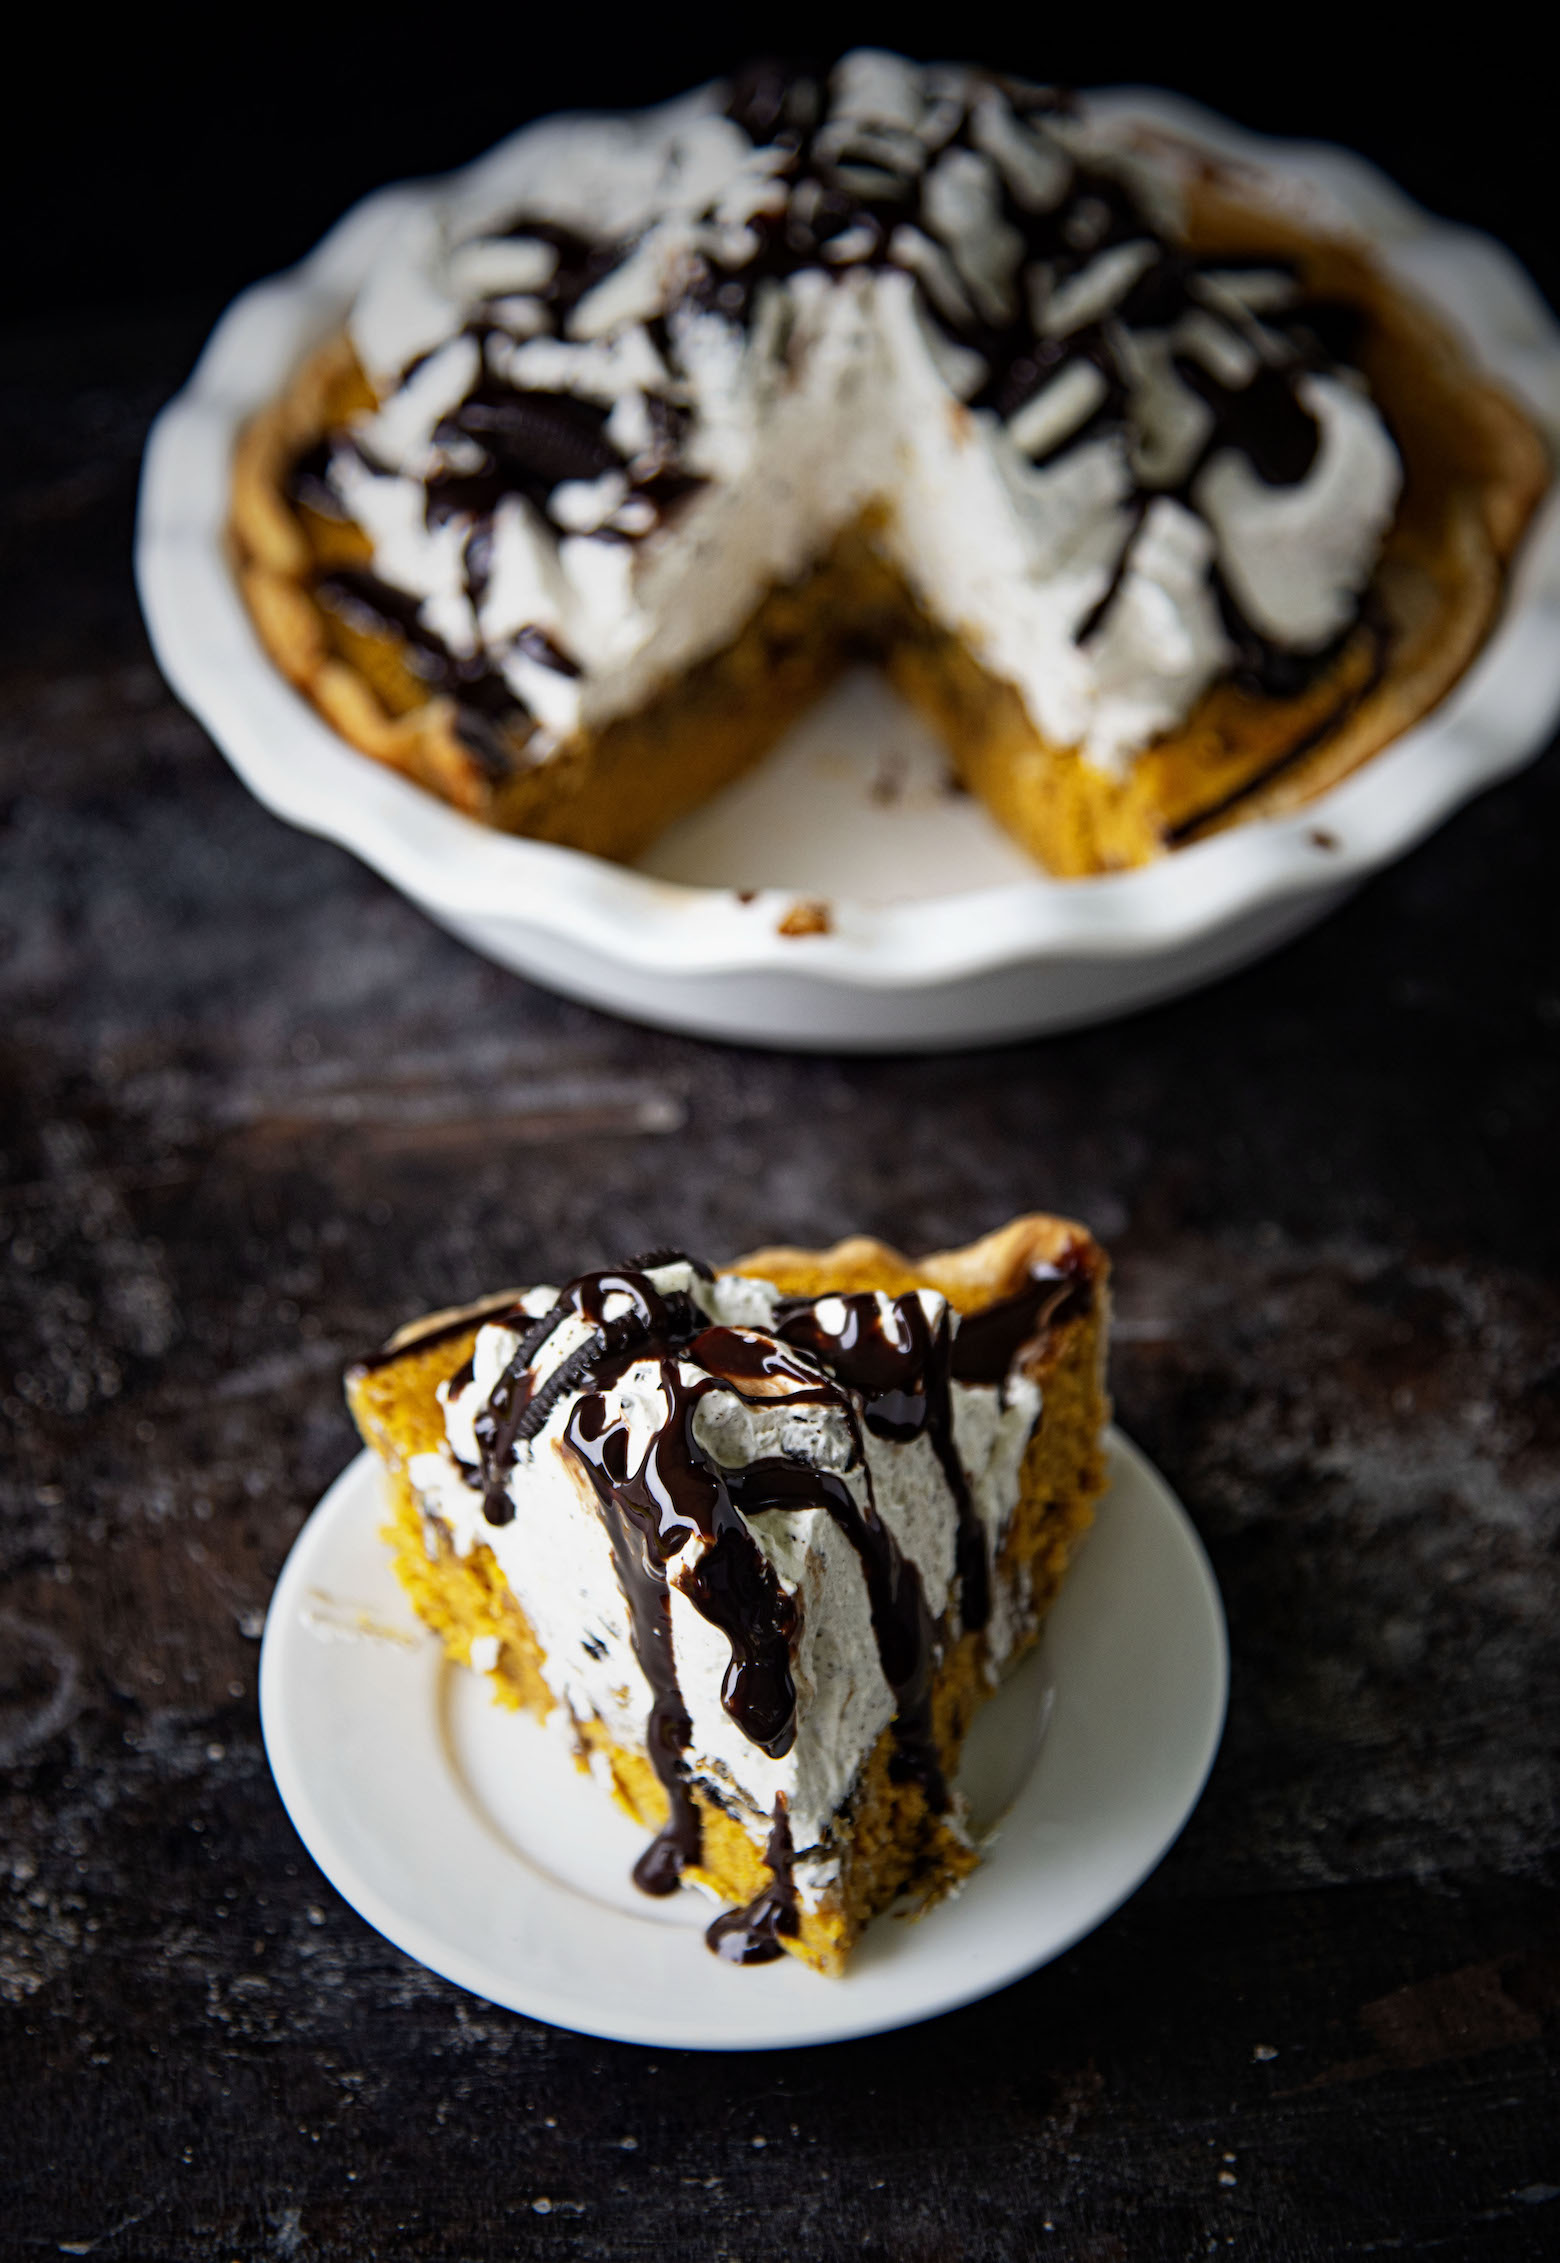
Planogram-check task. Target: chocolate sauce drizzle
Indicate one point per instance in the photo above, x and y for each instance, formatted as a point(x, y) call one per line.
point(989, 1341)
point(679, 1490)
point(850, 191)
point(516, 1410)
point(753, 1934)
point(889, 1354)
point(882, 1365)
point(486, 710)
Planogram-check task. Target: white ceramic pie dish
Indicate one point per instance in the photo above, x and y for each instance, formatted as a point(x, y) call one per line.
point(946, 937)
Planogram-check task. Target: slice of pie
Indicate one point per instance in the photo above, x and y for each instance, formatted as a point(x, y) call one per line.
point(1165, 503)
point(758, 1542)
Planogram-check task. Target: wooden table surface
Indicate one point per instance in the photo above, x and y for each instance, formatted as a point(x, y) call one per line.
point(257, 1110)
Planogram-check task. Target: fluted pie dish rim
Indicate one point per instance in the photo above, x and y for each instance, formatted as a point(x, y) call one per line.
point(705, 958)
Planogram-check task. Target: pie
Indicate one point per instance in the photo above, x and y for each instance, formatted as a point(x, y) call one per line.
point(758, 1543)
point(1156, 494)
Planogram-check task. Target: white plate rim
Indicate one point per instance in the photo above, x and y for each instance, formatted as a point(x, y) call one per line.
point(1494, 720)
point(831, 2014)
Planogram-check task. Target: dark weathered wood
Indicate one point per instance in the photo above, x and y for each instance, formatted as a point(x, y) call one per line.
point(257, 1110)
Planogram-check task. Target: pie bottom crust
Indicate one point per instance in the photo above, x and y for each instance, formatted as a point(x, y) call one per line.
point(1475, 468)
point(893, 1848)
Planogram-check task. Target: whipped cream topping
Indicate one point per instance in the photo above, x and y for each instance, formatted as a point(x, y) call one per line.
point(743, 1527)
point(643, 368)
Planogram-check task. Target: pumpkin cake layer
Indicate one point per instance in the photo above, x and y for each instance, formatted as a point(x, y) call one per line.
point(758, 1543)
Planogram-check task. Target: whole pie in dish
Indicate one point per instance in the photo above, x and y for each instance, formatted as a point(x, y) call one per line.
point(1164, 503)
point(759, 1543)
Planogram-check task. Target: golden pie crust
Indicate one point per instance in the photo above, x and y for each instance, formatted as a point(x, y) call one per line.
point(1475, 468)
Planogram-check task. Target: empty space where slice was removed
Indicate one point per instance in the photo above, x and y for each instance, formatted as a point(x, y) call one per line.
point(857, 802)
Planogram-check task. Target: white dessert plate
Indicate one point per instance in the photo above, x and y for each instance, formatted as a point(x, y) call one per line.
point(942, 934)
point(466, 1835)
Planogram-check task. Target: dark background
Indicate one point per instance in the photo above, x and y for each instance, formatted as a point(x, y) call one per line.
point(158, 166)
point(254, 1109)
